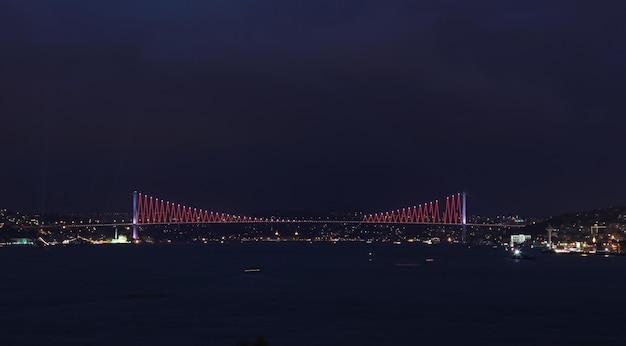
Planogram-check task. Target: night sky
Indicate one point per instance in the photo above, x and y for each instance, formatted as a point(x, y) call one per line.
point(251, 106)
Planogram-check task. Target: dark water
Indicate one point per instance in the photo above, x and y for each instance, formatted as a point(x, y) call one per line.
point(307, 294)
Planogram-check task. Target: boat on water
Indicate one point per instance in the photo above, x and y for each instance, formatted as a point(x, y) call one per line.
point(252, 270)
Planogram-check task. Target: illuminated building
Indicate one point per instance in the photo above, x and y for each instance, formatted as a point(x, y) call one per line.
point(519, 238)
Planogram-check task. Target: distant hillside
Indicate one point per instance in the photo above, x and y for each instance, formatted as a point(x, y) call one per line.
point(585, 219)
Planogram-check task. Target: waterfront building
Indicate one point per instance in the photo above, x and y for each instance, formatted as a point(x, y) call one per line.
point(519, 238)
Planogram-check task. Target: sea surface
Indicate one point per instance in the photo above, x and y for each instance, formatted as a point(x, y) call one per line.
point(307, 294)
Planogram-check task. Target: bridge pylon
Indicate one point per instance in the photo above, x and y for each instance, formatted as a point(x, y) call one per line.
point(135, 215)
point(464, 216)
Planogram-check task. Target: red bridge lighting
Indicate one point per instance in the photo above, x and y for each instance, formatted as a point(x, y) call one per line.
point(424, 213)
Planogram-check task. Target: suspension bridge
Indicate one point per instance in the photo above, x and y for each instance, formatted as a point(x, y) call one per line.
point(148, 210)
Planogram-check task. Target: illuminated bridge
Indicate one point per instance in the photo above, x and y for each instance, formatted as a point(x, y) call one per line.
point(148, 210)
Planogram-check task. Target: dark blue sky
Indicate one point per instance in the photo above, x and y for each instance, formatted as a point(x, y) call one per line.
point(245, 106)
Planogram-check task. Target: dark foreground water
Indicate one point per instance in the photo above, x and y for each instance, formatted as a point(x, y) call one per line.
point(307, 294)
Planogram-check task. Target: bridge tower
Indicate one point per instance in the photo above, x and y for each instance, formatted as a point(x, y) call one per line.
point(135, 217)
point(464, 216)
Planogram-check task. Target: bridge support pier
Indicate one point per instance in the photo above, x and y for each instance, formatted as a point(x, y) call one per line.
point(463, 217)
point(135, 216)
